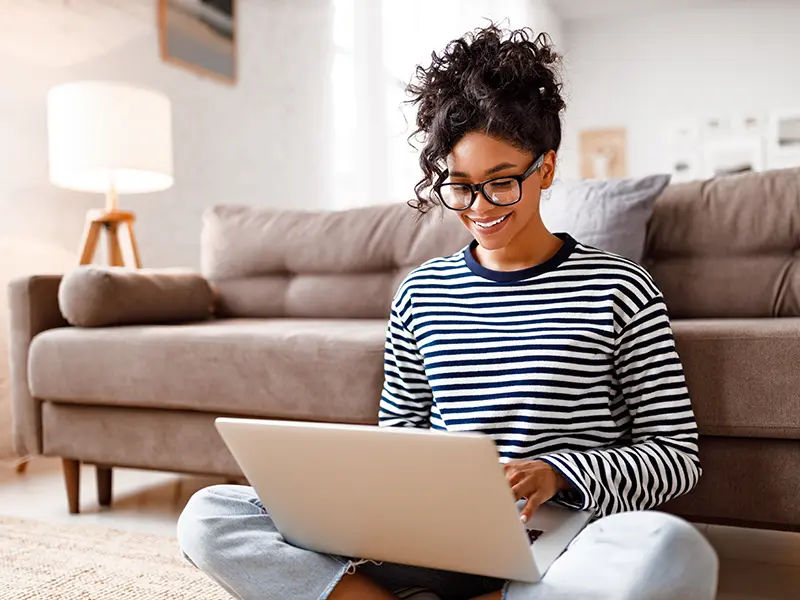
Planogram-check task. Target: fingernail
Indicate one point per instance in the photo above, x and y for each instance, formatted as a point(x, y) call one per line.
point(523, 518)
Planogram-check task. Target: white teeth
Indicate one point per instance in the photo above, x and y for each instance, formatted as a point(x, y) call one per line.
point(492, 224)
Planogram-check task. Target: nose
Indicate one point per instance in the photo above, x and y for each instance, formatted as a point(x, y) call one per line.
point(482, 204)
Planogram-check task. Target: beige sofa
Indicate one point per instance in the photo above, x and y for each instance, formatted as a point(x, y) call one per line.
point(300, 325)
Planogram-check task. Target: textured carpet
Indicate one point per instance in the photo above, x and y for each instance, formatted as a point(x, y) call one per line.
point(73, 562)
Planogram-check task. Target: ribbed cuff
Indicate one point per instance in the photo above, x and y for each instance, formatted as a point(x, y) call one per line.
point(579, 496)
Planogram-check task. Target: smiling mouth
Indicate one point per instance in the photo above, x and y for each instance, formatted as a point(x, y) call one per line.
point(490, 224)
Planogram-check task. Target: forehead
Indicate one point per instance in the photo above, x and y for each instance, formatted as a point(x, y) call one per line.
point(478, 151)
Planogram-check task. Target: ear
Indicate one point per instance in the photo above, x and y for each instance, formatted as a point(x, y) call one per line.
point(547, 171)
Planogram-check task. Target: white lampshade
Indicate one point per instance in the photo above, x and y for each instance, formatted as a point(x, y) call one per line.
point(109, 135)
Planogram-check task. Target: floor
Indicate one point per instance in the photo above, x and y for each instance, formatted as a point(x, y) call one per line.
point(755, 564)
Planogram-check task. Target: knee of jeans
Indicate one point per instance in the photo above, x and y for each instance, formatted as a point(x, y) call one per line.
point(196, 520)
point(680, 538)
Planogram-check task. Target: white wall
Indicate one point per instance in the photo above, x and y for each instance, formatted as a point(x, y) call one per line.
point(641, 71)
point(542, 18)
point(382, 167)
point(261, 142)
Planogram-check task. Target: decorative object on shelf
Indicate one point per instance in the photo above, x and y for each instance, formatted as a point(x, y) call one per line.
point(109, 138)
point(783, 149)
point(199, 35)
point(602, 153)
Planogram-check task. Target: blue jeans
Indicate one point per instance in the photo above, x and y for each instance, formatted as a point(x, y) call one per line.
point(226, 532)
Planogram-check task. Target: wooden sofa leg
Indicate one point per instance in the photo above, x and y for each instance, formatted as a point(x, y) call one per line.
point(104, 485)
point(72, 478)
point(22, 464)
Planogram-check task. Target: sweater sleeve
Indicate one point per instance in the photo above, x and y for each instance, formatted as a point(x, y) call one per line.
point(406, 399)
point(661, 460)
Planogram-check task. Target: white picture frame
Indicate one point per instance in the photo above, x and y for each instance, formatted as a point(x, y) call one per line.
point(718, 126)
point(750, 123)
point(682, 144)
point(783, 145)
point(732, 155)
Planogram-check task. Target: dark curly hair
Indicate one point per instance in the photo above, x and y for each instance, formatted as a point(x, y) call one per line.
point(503, 83)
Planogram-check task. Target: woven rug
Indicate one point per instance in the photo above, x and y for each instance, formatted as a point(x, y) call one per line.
point(73, 562)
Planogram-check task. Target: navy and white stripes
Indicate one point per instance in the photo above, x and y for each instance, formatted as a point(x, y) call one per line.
point(572, 361)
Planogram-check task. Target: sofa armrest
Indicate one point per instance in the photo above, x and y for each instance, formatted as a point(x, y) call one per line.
point(33, 308)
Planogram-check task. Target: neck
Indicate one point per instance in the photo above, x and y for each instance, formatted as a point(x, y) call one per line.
point(532, 246)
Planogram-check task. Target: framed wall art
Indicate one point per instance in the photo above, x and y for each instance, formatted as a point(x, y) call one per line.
point(199, 35)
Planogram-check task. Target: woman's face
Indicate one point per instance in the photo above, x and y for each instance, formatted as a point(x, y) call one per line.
point(478, 157)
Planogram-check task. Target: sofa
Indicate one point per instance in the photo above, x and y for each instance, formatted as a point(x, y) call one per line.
point(301, 303)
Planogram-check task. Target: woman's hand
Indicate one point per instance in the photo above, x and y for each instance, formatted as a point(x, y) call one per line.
point(535, 480)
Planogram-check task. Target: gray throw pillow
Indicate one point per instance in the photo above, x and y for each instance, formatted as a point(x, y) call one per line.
point(611, 215)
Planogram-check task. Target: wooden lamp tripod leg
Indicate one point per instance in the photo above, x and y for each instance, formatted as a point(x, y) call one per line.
point(130, 251)
point(114, 250)
point(91, 235)
point(137, 262)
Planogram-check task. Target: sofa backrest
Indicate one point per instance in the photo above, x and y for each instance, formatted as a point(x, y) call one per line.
point(343, 264)
point(728, 247)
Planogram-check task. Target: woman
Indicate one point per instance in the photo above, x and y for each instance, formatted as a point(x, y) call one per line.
point(560, 352)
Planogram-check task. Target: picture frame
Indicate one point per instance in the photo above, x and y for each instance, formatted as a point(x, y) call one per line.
point(603, 153)
point(200, 36)
point(716, 127)
point(750, 123)
point(733, 155)
point(682, 149)
point(783, 146)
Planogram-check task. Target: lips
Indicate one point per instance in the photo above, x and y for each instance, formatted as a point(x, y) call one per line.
point(486, 225)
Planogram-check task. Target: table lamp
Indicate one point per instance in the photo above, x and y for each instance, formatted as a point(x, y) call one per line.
point(109, 138)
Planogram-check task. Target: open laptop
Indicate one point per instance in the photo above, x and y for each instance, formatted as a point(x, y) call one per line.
point(402, 495)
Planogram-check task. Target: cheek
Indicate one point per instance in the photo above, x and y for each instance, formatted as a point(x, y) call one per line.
point(531, 193)
point(529, 205)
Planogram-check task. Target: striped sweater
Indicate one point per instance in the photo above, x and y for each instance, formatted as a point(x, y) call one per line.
point(571, 361)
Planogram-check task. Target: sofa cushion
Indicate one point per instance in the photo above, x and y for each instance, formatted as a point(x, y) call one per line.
point(294, 369)
point(98, 296)
point(319, 264)
point(728, 247)
point(333, 370)
point(742, 375)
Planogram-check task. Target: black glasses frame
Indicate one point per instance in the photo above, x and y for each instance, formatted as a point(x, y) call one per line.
point(477, 188)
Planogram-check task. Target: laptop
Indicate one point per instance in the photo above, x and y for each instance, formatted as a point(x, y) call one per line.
point(403, 495)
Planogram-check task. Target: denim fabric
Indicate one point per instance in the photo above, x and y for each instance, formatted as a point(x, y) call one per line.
point(226, 532)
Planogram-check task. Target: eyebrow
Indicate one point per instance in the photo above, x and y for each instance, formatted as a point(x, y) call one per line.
point(492, 171)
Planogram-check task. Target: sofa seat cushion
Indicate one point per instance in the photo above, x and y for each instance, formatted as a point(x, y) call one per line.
point(742, 375)
point(280, 368)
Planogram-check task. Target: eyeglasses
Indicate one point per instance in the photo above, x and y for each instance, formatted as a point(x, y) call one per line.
point(500, 191)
